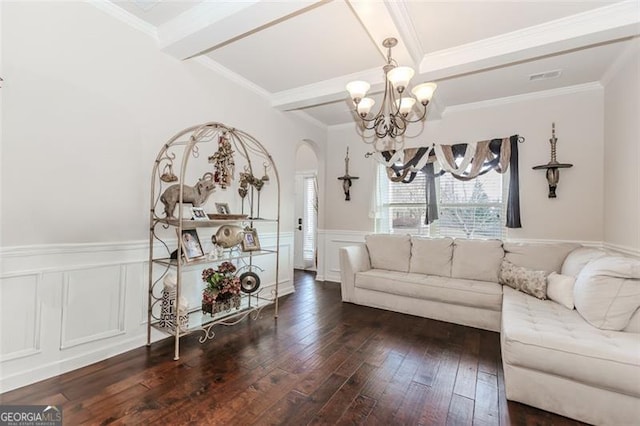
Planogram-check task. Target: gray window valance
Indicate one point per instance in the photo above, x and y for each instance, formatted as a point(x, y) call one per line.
point(464, 162)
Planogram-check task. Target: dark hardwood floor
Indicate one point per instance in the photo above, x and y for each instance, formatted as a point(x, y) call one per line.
point(322, 362)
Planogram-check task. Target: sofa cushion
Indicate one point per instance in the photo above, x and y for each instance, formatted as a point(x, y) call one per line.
point(607, 291)
point(539, 256)
point(388, 251)
point(578, 258)
point(544, 336)
point(477, 259)
point(478, 294)
point(560, 289)
point(634, 323)
point(431, 256)
point(526, 280)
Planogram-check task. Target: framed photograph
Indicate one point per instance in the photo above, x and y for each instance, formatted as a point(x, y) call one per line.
point(197, 213)
point(191, 247)
point(222, 208)
point(250, 240)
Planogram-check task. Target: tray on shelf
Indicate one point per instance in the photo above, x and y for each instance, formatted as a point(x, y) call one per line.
point(217, 216)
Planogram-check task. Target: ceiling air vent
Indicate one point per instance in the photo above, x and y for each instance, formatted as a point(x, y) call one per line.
point(545, 75)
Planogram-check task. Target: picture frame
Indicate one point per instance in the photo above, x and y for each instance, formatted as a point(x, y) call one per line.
point(223, 208)
point(250, 241)
point(198, 213)
point(191, 247)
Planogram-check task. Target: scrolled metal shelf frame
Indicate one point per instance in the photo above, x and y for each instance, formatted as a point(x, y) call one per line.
point(191, 143)
point(209, 332)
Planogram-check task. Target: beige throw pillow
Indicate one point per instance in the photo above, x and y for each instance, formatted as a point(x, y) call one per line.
point(560, 289)
point(607, 291)
point(523, 279)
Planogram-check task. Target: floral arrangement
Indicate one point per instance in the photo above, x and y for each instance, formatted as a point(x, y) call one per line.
point(221, 283)
point(223, 163)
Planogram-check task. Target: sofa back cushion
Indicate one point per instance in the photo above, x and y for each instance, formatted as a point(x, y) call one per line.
point(607, 291)
point(431, 256)
point(634, 323)
point(390, 252)
point(578, 259)
point(477, 259)
point(539, 256)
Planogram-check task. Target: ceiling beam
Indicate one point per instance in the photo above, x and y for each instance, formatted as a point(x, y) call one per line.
point(605, 24)
point(379, 23)
point(600, 25)
point(212, 24)
point(324, 92)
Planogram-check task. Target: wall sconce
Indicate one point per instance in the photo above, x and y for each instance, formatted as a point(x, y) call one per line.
point(553, 174)
point(346, 179)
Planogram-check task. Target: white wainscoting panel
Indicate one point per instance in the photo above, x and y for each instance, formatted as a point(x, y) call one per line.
point(19, 316)
point(92, 304)
point(67, 306)
point(329, 243)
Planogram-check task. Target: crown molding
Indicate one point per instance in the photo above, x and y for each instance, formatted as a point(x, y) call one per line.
point(600, 25)
point(230, 75)
point(595, 85)
point(215, 23)
point(303, 115)
point(126, 17)
point(342, 126)
point(630, 52)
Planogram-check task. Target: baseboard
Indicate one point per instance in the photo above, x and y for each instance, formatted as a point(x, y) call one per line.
point(55, 368)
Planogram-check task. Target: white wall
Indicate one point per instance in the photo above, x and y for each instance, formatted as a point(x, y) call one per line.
point(577, 213)
point(622, 154)
point(87, 104)
point(306, 159)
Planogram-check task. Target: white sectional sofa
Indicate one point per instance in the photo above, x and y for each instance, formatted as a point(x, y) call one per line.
point(582, 363)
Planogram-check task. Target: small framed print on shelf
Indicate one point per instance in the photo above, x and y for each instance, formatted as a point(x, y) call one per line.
point(222, 208)
point(191, 247)
point(197, 213)
point(250, 240)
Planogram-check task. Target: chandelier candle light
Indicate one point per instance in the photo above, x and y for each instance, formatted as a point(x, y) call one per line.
point(393, 116)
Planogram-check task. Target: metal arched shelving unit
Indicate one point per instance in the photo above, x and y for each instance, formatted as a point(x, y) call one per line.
point(180, 162)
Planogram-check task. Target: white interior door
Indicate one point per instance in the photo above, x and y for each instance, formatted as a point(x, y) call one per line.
point(306, 221)
point(298, 251)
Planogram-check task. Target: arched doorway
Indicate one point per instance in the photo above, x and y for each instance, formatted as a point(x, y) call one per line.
point(306, 208)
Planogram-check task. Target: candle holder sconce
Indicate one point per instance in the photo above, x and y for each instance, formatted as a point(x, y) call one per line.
point(346, 179)
point(553, 166)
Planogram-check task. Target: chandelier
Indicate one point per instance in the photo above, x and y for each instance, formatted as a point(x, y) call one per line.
point(393, 116)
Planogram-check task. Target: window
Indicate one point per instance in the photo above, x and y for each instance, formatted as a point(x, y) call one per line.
point(466, 209)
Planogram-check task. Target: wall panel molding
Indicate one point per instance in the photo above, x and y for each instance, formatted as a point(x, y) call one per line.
point(33, 328)
point(66, 338)
point(62, 273)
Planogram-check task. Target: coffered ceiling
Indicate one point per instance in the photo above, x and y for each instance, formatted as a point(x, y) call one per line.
point(301, 54)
